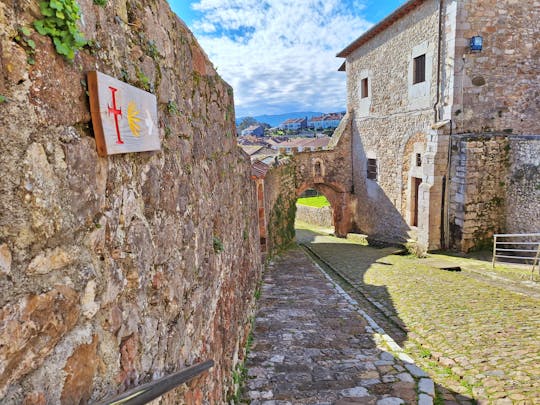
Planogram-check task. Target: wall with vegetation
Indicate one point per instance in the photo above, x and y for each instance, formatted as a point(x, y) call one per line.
point(116, 271)
point(280, 206)
point(494, 188)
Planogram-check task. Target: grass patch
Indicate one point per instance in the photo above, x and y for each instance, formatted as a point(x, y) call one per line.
point(481, 262)
point(317, 202)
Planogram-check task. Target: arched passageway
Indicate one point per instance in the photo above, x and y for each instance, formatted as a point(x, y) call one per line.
point(339, 200)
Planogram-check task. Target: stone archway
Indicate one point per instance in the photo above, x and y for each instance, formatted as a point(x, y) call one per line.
point(339, 199)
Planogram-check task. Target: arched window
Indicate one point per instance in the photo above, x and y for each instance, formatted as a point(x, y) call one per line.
point(318, 168)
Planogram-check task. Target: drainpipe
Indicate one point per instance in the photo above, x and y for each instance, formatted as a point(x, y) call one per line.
point(438, 85)
point(445, 224)
point(446, 197)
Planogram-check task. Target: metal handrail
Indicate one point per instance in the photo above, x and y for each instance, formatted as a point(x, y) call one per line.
point(511, 235)
point(154, 389)
point(523, 247)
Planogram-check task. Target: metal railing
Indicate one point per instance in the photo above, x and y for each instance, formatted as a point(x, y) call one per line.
point(519, 248)
point(154, 389)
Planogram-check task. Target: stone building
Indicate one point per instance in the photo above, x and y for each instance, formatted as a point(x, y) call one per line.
point(445, 136)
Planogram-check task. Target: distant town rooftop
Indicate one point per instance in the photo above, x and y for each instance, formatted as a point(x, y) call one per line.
point(380, 27)
point(294, 120)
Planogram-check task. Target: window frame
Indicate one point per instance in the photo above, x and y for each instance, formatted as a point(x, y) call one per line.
point(372, 169)
point(419, 69)
point(364, 88)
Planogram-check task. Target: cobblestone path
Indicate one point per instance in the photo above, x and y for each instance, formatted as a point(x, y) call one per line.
point(313, 346)
point(474, 337)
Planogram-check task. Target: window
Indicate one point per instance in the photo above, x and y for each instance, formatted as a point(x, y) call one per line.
point(372, 169)
point(419, 69)
point(364, 92)
point(318, 169)
point(418, 159)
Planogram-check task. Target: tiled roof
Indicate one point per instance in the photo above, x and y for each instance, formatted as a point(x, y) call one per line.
point(294, 143)
point(252, 128)
point(333, 117)
point(380, 27)
point(293, 121)
point(306, 143)
point(251, 149)
point(259, 169)
point(318, 142)
point(273, 141)
point(327, 117)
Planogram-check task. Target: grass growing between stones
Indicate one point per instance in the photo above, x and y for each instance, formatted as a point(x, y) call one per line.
point(482, 333)
point(475, 338)
point(240, 373)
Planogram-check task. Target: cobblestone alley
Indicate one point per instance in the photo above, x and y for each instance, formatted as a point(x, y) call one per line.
point(312, 345)
point(474, 334)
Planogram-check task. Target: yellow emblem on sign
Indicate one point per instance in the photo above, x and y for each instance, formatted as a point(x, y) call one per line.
point(133, 119)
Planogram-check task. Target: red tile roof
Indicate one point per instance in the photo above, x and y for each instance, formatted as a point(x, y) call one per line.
point(293, 120)
point(327, 117)
point(318, 142)
point(259, 169)
point(306, 143)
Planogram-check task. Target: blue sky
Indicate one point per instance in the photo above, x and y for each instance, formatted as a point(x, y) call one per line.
point(279, 55)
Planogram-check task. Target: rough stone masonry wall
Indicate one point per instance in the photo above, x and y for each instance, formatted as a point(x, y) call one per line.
point(494, 188)
point(497, 89)
point(330, 173)
point(477, 190)
point(317, 216)
point(280, 206)
point(523, 185)
point(383, 130)
point(115, 271)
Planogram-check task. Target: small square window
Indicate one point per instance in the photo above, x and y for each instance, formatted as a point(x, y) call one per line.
point(364, 90)
point(372, 169)
point(419, 69)
point(419, 159)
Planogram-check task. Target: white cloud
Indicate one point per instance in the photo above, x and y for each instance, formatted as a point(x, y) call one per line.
point(279, 55)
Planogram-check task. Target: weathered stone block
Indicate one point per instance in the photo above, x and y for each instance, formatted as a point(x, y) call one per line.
point(31, 328)
point(80, 369)
point(5, 259)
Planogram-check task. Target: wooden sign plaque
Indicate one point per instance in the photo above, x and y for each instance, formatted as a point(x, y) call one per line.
point(124, 117)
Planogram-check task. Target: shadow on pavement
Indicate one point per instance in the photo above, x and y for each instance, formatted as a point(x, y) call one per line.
point(349, 263)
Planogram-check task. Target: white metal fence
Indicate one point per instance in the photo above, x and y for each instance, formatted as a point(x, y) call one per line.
point(517, 248)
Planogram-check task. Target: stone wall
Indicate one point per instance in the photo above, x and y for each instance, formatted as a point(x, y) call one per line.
point(497, 89)
point(523, 185)
point(316, 216)
point(280, 206)
point(330, 173)
point(386, 124)
point(119, 270)
point(477, 190)
point(493, 92)
point(494, 188)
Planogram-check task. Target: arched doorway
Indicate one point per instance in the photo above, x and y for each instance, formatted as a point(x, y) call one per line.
point(314, 209)
point(339, 201)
